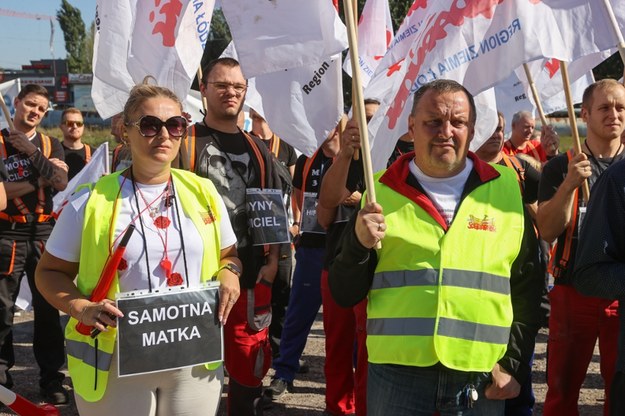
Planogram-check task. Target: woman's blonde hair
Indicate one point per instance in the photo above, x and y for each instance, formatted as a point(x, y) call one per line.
point(143, 92)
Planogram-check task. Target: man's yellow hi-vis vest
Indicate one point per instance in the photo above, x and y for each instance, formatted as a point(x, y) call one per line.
point(444, 296)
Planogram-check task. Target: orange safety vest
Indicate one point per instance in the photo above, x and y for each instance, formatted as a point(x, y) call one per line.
point(556, 268)
point(46, 150)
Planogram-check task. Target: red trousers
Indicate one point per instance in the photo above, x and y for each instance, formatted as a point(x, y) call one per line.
point(575, 323)
point(247, 351)
point(345, 329)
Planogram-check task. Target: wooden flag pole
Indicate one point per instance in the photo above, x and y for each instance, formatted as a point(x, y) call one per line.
point(539, 105)
point(359, 103)
point(7, 114)
point(577, 146)
point(532, 85)
point(354, 96)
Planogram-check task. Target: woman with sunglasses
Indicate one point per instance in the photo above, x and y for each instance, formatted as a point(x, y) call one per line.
point(181, 223)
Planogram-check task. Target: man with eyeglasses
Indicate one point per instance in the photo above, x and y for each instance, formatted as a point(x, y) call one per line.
point(235, 161)
point(35, 167)
point(77, 153)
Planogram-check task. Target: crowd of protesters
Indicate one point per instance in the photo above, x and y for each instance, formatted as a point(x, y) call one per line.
point(432, 294)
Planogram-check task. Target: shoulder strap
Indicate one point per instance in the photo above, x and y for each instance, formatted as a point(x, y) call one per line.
point(87, 153)
point(3, 149)
point(556, 268)
point(534, 151)
point(46, 146)
point(275, 145)
point(513, 162)
point(259, 157)
point(189, 143)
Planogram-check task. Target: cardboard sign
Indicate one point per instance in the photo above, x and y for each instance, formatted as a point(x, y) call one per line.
point(168, 329)
point(267, 216)
point(309, 222)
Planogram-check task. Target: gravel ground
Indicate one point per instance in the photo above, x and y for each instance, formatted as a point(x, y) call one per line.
point(308, 397)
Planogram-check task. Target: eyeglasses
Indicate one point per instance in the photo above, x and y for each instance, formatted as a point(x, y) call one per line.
point(222, 87)
point(150, 126)
point(74, 123)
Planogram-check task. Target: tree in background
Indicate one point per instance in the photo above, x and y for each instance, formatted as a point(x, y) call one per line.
point(75, 38)
point(88, 45)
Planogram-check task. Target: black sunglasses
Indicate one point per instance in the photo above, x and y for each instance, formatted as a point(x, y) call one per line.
point(150, 126)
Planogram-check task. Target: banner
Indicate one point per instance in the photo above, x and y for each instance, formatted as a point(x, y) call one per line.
point(301, 105)
point(375, 32)
point(8, 92)
point(463, 41)
point(272, 36)
point(512, 97)
point(164, 39)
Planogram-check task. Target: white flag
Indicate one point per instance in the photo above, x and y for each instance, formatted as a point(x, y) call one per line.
point(135, 38)
point(512, 97)
point(478, 44)
point(274, 35)
point(97, 167)
point(301, 105)
point(375, 32)
point(8, 92)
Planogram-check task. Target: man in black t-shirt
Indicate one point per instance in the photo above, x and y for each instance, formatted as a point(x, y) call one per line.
point(235, 161)
point(35, 167)
point(77, 153)
point(576, 321)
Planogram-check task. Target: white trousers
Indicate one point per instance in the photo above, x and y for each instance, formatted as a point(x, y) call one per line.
point(192, 391)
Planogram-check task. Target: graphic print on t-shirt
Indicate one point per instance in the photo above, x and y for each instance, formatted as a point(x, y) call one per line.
point(17, 167)
point(230, 173)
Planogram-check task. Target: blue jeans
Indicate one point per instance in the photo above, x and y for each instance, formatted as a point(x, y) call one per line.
point(304, 303)
point(424, 391)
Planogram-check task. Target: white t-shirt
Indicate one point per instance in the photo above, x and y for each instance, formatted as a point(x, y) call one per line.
point(66, 238)
point(445, 193)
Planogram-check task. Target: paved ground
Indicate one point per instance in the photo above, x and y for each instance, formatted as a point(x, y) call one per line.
point(308, 398)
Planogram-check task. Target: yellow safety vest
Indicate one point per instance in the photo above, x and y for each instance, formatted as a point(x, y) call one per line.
point(89, 359)
point(444, 296)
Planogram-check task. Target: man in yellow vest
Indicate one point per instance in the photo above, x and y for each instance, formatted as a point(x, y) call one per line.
point(36, 169)
point(450, 319)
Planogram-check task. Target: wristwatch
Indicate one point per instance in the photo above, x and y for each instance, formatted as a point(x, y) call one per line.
point(232, 267)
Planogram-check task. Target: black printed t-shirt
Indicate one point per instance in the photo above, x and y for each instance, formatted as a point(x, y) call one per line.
point(76, 159)
point(312, 183)
point(19, 169)
point(228, 160)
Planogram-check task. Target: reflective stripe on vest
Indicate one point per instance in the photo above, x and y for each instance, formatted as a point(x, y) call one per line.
point(88, 354)
point(88, 359)
point(443, 296)
point(429, 277)
point(446, 327)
